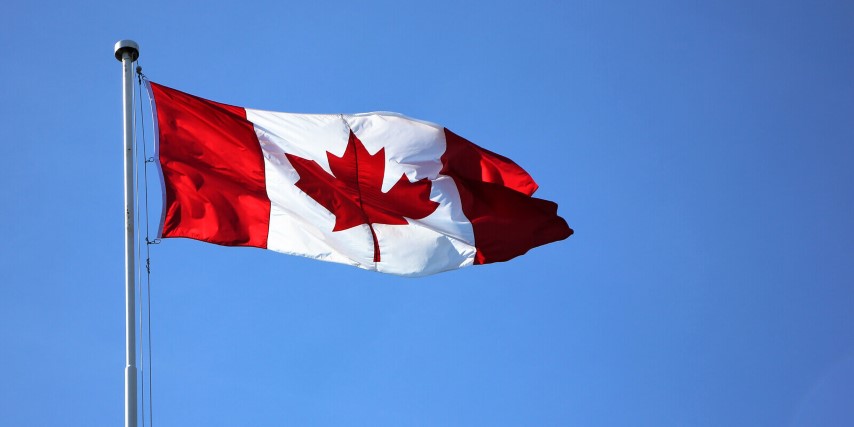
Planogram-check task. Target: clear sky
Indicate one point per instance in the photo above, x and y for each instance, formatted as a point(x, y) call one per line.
point(702, 151)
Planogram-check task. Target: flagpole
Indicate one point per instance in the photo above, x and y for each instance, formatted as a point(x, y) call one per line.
point(127, 51)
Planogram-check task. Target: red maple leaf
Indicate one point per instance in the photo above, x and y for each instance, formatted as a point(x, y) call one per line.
point(354, 194)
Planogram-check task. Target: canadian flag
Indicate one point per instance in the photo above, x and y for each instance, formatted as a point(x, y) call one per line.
point(379, 191)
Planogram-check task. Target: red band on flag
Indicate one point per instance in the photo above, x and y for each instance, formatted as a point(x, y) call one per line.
point(495, 194)
point(213, 171)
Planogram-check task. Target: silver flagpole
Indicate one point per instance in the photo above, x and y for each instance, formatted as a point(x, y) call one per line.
point(127, 51)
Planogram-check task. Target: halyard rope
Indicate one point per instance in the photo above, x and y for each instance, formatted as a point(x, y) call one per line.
point(146, 302)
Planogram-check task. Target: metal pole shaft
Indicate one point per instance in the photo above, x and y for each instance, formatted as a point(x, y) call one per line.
point(127, 52)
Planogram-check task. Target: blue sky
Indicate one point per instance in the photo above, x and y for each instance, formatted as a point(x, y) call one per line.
point(701, 150)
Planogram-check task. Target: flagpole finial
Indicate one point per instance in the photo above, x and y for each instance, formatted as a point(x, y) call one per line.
point(130, 46)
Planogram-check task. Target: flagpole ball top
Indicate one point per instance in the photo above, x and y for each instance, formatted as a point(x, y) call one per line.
point(129, 46)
